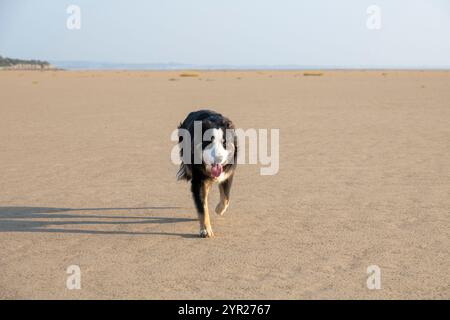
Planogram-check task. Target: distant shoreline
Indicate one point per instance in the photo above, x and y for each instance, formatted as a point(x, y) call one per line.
point(21, 64)
point(173, 66)
point(53, 68)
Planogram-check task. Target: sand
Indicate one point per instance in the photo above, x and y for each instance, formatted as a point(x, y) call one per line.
point(86, 179)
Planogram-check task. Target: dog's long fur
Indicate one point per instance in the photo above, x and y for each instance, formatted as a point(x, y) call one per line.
point(199, 174)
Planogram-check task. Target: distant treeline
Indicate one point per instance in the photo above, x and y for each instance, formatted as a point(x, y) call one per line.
point(9, 62)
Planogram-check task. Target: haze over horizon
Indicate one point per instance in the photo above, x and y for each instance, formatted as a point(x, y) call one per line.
point(412, 34)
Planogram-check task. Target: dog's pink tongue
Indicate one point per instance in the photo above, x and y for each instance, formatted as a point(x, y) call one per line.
point(216, 170)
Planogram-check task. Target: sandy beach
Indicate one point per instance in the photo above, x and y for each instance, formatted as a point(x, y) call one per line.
point(86, 179)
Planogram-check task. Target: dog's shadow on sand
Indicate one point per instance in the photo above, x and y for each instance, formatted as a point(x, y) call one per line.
point(42, 219)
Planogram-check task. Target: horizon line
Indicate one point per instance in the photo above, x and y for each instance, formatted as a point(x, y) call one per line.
point(173, 66)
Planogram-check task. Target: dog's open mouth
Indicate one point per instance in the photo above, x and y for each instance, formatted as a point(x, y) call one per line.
point(216, 170)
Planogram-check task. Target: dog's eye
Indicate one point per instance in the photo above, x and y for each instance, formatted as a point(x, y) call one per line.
point(212, 138)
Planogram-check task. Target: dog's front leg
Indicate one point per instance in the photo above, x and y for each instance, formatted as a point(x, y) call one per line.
point(200, 190)
point(224, 189)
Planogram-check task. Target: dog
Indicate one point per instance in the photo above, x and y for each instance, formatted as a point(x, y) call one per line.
point(216, 155)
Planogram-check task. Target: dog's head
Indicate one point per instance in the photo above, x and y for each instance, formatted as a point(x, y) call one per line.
point(218, 146)
point(212, 150)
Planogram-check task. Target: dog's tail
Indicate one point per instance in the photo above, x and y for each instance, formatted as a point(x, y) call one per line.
point(184, 172)
point(181, 174)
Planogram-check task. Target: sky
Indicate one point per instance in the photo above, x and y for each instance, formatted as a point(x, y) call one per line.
point(412, 33)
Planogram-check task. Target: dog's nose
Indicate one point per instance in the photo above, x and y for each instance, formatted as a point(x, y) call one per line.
point(218, 159)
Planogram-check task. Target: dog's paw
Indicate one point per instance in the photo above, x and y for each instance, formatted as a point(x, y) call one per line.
point(221, 208)
point(206, 233)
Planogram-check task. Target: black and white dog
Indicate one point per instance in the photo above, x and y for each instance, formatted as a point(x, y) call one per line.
point(207, 159)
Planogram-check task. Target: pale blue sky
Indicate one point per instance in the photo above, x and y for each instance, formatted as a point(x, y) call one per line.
point(233, 32)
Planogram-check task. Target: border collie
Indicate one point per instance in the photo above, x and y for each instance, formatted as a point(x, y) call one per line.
point(207, 159)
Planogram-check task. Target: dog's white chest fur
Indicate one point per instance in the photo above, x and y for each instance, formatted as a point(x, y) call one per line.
point(223, 176)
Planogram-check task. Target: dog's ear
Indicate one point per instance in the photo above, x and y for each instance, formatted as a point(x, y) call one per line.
point(207, 124)
point(228, 124)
